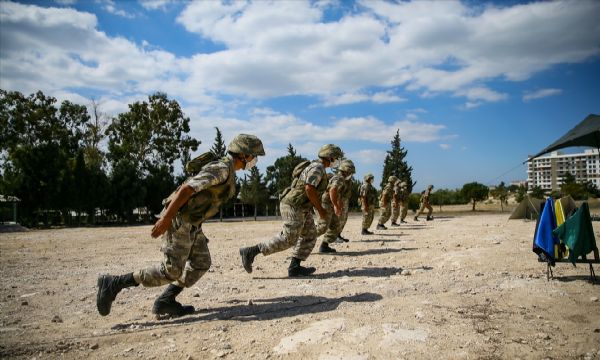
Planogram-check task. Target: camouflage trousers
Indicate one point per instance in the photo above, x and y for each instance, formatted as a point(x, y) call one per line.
point(344, 217)
point(404, 212)
point(299, 231)
point(385, 214)
point(368, 217)
point(323, 224)
point(186, 257)
point(395, 213)
point(425, 205)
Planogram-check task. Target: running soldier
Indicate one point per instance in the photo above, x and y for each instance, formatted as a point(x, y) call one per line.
point(385, 202)
point(296, 205)
point(367, 196)
point(396, 202)
point(425, 204)
point(337, 197)
point(185, 247)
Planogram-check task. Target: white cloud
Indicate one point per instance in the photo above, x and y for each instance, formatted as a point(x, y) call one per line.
point(66, 2)
point(542, 93)
point(383, 97)
point(155, 4)
point(445, 146)
point(110, 7)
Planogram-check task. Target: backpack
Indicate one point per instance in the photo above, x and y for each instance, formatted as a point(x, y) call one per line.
point(195, 165)
point(295, 175)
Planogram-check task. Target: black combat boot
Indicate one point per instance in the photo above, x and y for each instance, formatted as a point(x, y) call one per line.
point(381, 227)
point(341, 239)
point(403, 222)
point(395, 224)
point(416, 218)
point(248, 254)
point(429, 218)
point(324, 248)
point(108, 288)
point(166, 304)
point(366, 232)
point(296, 270)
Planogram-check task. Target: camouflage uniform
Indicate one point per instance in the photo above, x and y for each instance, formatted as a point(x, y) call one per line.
point(184, 245)
point(425, 203)
point(386, 197)
point(396, 201)
point(299, 228)
point(368, 196)
point(323, 224)
point(404, 195)
point(332, 228)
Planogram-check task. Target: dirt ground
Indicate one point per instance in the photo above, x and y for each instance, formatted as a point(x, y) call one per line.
point(462, 286)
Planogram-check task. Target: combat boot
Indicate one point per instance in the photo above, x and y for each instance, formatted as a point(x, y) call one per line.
point(403, 222)
point(296, 269)
point(395, 224)
point(108, 288)
point(366, 232)
point(416, 218)
point(324, 248)
point(248, 254)
point(166, 304)
point(340, 237)
point(381, 227)
point(429, 218)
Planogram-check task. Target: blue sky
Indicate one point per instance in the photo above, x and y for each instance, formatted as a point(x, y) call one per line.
point(473, 87)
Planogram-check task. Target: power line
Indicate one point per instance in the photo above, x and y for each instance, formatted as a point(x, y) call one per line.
point(498, 177)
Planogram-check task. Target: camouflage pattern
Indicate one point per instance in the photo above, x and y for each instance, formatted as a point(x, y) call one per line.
point(246, 144)
point(425, 202)
point(186, 256)
point(331, 151)
point(368, 195)
point(314, 174)
point(346, 195)
point(385, 203)
point(337, 182)
point(396, 201)
point(404, 195)
point(299, 231)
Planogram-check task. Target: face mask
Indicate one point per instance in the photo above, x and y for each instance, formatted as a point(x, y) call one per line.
point(336, 163)
point(250, 164)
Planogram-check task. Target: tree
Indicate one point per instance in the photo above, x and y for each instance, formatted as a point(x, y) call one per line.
point(279, 175)
point(520, 193)
point(537, 192)
point(219, 149)
point(475, 191)
point(254, 190)
point(150, 137)
point(501, 193)
point(394, 164)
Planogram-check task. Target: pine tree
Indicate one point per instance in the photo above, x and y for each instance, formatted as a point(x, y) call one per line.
point(219, 149)
point(254, 190)
point(394, 164)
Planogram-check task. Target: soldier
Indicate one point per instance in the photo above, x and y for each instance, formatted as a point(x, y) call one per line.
point(367, 196)
point(186, 254)
point(425, 204)
point(346, 195)
point(336, 195)
point(404, 196)
point(296, 205)
point(396, 202)
point(385, 202)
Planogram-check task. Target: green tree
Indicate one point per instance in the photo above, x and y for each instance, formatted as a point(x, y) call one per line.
point(520, 193)
point(537, 192)
point(219, 149)
point(254, 190)
point(127, 190)
point(501, 193)
point(395, 164)
point(475, 192)
point(279, 175)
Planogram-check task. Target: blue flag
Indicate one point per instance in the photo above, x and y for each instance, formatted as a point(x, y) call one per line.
point(544, 237)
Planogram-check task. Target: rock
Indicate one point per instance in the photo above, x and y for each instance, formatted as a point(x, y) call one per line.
point(594, 299)
point(405, 272)
point(57, 319)
point(94, 346)
point(24, 303)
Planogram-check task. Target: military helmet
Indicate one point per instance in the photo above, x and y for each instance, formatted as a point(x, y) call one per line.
point(430, 187)
point(246, 144)
point(347, 166)
point(392, 179)
point(330, 151)
point(368, 176)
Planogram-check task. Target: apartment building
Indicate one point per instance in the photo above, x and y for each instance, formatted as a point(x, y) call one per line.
point(549, 170)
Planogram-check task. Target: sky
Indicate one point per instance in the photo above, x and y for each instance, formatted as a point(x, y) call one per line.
point(473, 87)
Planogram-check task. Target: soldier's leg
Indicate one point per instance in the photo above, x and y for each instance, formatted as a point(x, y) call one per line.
point(385, 216)
point(395, 214)
point(367, 220)
point(323, 224)
point(331, 235)
point(293, 221)
point(404, 212)
point(304, 246)
point(429, 212)
point(421, 209)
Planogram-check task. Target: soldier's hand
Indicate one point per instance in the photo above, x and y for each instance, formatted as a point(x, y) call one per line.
point(322, 213)
point(160, 227)
point(337, 210)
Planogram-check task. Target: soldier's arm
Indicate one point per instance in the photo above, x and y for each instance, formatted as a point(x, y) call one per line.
point(313, 197)
point(181, 197)
point(336, 200)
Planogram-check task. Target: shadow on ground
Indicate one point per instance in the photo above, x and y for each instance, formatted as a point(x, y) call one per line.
point(260, 309)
